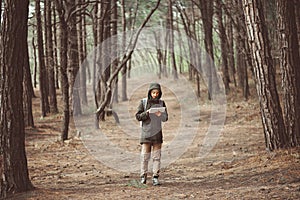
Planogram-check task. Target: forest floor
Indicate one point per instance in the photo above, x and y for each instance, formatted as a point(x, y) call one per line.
point(238, 167)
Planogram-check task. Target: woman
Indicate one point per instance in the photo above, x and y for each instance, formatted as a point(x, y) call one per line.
point(151, 135)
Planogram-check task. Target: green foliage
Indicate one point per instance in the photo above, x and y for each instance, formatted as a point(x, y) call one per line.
point(136, 184)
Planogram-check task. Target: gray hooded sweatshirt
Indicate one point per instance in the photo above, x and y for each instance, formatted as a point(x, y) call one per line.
point(151, 124)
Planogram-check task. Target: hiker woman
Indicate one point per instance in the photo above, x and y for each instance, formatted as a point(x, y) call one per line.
point(151, 112)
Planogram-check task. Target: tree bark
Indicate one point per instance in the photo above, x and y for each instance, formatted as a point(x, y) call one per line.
point(108, 88)
point(63, 68)
point(55, 51)
point(35, 62)
point(230, 47)
point(73, 61)
point(50, 57)
point(14, 174)
point(42, 68)
point(115, 60)
point(206, 8)
point(271, 112)
point(223, 41)
point(240, 49)
point(82, 54)
point(124, 69)
point(171, 43)
point(28, 92)
point(289, 67)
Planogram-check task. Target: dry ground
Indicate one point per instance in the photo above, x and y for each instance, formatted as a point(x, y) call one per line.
point(238, 167)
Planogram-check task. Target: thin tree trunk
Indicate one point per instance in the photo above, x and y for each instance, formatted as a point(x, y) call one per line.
point(230, 46)
point(206, 8)
point(55, 43)
point(105, 58)
point(49, 57)
point(171, 44)
point(223, 38)
point(124, 69)
point(82, 55)
point(95, 26)
point(28, 92)
point(73, 62)
point(115, 60)
point(63, 69)
point(42, 68)
point(35, 62)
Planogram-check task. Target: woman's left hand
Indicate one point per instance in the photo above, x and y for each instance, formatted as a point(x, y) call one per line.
point(158, 114)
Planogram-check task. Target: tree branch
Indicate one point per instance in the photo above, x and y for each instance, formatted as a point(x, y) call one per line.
point(124, 61)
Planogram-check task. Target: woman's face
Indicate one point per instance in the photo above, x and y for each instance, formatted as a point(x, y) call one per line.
point(154, 93)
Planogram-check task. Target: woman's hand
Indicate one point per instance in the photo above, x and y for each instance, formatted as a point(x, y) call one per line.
point(158, 113)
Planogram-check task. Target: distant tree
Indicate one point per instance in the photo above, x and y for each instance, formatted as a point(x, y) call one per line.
point(60, 7)
point(41, 58)
point(50, 55)
point(207, 10)
point(171, 40)
point(108, 84)
point(241, 49)
point(188, 18)
point(55, 43)
point(223, 41)
point(115, 60)
point(28, 92)
point(14, 175)
point(124, 69)
point(230, 44)
point(81, 27)
point(34, 61)
point(73, 57)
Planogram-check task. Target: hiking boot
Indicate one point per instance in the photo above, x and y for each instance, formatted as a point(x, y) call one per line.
point(155, 181)
point(143, 179)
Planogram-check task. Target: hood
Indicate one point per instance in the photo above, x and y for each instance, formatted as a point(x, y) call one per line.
point(154, 86)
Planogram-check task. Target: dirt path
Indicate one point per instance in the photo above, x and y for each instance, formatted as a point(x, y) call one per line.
point(238, 167)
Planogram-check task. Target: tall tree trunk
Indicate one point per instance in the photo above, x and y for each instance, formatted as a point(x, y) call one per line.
point(240, 49)
point(289, 67)
point(14, 175)
point(124, 69)
point(95, 28)
point(42, 68)
point(297, 15)
point(55, 43)
point(82, 54)
point(50, 57)
point(28, 92)
point(35, 62)
point(115, 60)
point(223, 38)
point(105, 57)
point(64, 68)
point(206, 8)
point(108, 85)
point(230, 47)
point(171, 43)
point(73, 62)
point(271, 112)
